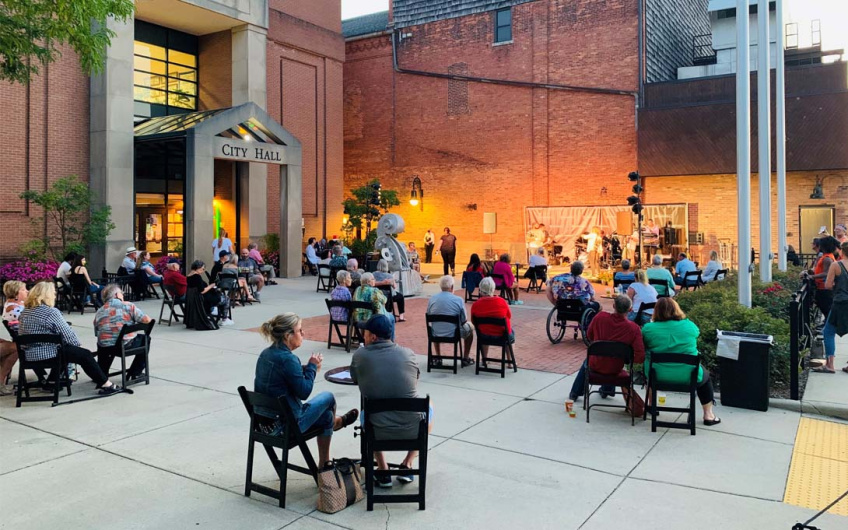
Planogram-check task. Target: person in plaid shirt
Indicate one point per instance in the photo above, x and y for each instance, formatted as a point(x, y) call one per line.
point(108, 322)
point(341, 292)
point(40, 317)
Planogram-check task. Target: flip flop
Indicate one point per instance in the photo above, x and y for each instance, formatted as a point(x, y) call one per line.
point(823, 371)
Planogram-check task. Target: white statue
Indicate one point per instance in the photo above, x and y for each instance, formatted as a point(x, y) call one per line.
point(394, 252)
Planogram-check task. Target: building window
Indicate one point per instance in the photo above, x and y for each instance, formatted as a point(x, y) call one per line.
point(503, 25)
point(165, 71)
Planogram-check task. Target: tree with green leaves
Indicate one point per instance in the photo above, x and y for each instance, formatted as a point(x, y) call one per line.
point(73, 222)
point(366, 204)
point(31, 32)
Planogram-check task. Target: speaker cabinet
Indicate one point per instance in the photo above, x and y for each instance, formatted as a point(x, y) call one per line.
point(490, 223)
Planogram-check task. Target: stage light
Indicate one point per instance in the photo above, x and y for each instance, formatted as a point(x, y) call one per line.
point(637, 189)
point(637, 209)
point(633, 199)
point(633, 176)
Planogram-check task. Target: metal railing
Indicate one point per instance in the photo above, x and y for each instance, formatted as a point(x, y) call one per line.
point(801, 331)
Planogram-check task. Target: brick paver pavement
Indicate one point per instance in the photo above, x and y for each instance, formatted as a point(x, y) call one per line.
point(532, 348)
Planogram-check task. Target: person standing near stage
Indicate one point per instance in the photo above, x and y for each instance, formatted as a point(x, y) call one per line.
point(594, 245)
point(429, 243)
point(448, 250)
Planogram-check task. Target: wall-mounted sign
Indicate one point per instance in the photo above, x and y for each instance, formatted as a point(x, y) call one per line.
point(249, 151)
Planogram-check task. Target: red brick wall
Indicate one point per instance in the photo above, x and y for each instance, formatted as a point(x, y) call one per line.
point(57, 129)
point(215, 70)
point(511, 147)
point(304, 58)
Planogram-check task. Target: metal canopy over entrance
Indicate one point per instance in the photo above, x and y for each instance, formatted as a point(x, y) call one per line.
point(218, 145)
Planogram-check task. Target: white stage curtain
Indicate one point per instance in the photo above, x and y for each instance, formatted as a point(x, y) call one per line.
point(565, 224)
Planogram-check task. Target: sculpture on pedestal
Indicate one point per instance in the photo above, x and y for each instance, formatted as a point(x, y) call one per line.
point(394, 252)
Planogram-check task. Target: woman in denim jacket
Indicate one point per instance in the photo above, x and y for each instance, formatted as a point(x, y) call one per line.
point(279, 374)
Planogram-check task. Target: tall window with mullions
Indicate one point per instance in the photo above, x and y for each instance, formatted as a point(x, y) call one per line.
point(165, 71)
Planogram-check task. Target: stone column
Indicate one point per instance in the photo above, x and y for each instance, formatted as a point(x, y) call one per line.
point(249, 85)
point(290, 214)
point(200, 191)
point(111, 146)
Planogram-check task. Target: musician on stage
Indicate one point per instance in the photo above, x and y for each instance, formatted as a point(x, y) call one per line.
point(650, 238)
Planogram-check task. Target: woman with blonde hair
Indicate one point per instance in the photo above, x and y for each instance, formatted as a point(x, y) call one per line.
point(641, 292)
point(712, 267)
point(279, 374)
point(40, 317)
point(16, 294)
point(671, 332)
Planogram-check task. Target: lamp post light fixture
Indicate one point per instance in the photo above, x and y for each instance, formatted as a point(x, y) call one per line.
point(416, 197)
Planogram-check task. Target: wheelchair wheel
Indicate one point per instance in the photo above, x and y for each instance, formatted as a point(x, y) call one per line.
point(585, 320)
point(556, 329)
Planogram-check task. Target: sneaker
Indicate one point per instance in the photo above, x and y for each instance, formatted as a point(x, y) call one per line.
point(519, 302)
point(405, 479)
point(383, 482)
point(214, 311)
point(7, 390)
point(227, 322)
point(256, 296)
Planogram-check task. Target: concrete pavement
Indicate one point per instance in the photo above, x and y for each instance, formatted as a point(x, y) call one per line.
point(503, 452)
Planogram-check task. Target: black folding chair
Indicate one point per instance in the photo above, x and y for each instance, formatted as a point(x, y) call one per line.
point(502, 341)
point(356, 333)
point(655, 385)
point(721, 274)
point(661, 287)
point(692, 280)
point(80, 297)
point(503, 290)
point(643, 308)
point(470, 281)
point(63, 295)
point(454, 339)
point(615, 350)
point(57, 365)
point(344, 338)
point(262, 430)
point(390, 301)
point(107, 354)
point(169, 299)
point(324, 281)
point(372, 445)
point(537, 276)
point(619, 285)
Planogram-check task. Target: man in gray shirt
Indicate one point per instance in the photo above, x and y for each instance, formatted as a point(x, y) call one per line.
point(385, 370)
point(449, 304)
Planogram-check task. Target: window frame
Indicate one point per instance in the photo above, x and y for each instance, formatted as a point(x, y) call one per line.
point(170, 41)
point(498, 26)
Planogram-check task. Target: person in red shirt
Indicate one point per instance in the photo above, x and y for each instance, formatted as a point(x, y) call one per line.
point(503, 268)
point(615, 327)
point(174, 279)
point(491, 306)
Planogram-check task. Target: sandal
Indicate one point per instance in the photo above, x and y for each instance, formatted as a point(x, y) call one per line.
point(714, 421)
point(349, 417)
point(823, 370)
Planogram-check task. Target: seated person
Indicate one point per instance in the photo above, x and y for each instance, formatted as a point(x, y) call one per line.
point(233, 270)
point(64, 269)
point(143, 263)
point(625, 275)
point(174, 279)
point(129, 260)
point(572, 286)
point(503, 268)
point(16, 294)
point(491, 306)
point(279, 374)
point(683, 266)
point(223, 259)
point(383, 277)
point(354, 270)
point(214, 302)
point(40, 317)
point(475, 265)
point(341, 293)
point(108, 321)
point(385, 370)
point(80, 280)
point(266, 269)
point(658, 272)
point(368, 292)
point(792, 256)
point(413, 257)
point(325, 273)
point(615, 327)
point(713, 266)
point(671, 332)
point(449, 304)
point(536, 260)
point(312, 253)
point(338, 260)
point(250, 269)
point(641, 292)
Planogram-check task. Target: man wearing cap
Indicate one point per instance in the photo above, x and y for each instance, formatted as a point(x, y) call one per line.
point(129, 260)
point(223, 258)
point(385, 370)
point(175, 280)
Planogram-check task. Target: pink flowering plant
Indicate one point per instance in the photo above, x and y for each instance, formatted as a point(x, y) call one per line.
point(271, 257)
point(162, 264)
point(28, 271)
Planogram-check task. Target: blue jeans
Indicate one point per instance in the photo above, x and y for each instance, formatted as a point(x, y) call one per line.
point(646, 317)
point(320, 411)
point(95, 290)
point(829, 333)
point(580, 382)
point(154, 279)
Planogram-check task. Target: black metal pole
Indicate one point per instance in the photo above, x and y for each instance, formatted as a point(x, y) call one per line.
point(794, 345)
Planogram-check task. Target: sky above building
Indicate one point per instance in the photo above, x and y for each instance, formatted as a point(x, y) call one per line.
point(833, 15)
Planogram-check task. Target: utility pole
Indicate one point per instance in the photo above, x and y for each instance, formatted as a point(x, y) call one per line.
point(764, 137)
point(743, 150)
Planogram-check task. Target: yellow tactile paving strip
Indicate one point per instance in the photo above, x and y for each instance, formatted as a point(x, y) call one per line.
point(819, 470)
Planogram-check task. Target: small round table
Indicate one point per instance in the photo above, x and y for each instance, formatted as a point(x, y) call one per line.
point(333, 376)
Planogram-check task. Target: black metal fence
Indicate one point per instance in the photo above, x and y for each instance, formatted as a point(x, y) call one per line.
point(802, 331)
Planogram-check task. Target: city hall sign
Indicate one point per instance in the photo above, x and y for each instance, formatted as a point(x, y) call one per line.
point(249, 151)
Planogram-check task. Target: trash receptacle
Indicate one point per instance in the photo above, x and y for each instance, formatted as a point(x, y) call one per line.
point(744, 369)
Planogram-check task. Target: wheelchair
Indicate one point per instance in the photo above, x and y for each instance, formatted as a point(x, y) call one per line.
point(570, 310)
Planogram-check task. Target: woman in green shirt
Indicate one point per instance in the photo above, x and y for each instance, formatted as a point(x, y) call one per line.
point(671, 332)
